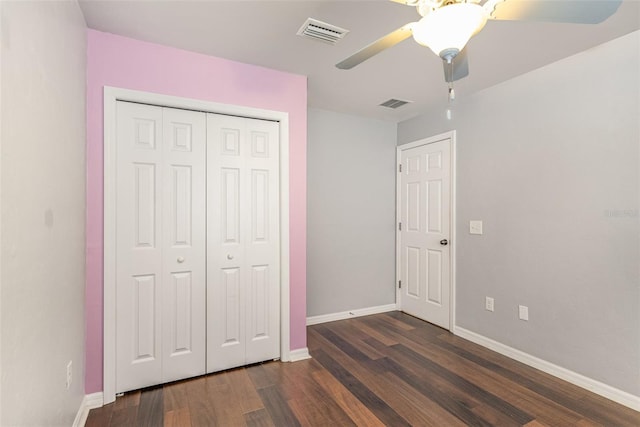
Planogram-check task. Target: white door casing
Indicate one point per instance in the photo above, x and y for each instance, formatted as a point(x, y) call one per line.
point(161, 247)
point(242, 241)
point(425, 238)
point(111, 98)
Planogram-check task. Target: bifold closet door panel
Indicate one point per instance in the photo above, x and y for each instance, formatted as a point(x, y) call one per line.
point(160, 244)
point(243, 274)
point(262, 242)
point(184, 236)
point(139, 246)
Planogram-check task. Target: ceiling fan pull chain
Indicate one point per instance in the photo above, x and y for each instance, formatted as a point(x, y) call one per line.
point(452, 93)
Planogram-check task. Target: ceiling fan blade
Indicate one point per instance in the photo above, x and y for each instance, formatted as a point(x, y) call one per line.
point(460, 66)
point(407, 2)
point(376, 47)
point(570, 11)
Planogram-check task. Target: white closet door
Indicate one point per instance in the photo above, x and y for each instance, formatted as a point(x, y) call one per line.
point(243, 275)
point(183, 260)
point(160, 263)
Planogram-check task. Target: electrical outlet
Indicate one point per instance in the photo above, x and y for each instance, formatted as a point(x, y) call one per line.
point(488, 304)
point(523, 312)
point(69, 374)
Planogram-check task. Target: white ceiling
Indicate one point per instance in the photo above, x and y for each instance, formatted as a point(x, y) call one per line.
point(264, 33)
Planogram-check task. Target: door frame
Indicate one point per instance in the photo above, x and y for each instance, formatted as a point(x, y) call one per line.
point(111, 96)
point(451, 135)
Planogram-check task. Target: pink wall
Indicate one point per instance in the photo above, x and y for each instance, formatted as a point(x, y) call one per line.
point(131, 64)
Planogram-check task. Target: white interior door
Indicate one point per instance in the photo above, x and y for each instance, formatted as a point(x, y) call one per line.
point(243, 265)
point(160, 246)
point(425, 230)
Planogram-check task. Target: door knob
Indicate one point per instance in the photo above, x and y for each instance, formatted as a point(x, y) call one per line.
point(444, 242)
point(180, 259)
point(229, 256)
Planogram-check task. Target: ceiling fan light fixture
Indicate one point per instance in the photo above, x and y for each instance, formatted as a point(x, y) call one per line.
point(450, 27)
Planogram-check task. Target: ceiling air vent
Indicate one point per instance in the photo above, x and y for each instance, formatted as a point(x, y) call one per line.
point(394, 103)
point(318, 30)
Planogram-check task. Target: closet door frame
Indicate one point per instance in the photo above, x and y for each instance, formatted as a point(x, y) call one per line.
point(111, 96)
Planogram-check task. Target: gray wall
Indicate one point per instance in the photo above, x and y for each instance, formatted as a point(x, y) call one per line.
point(550, 162)
point(350, 212)
point(43, 211)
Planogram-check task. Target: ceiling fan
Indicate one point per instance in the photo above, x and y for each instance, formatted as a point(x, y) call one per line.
point(447, 25)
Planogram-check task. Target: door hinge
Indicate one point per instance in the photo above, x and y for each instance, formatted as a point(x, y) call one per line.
point(400, 167)
point(399, 226)
point(399, 284)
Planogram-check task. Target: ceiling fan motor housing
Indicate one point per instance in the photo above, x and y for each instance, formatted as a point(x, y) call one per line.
point(449, 54)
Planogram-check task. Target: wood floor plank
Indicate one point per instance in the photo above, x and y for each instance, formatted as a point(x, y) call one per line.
point(546, 411)
point(356, 410)
point(278, 409)
point(398, 395)
point(373, 333)
point(558, 391)
point(301, 390)
point(412, 405)
point(464, 386)
point(494, 417)
point(417, 408)
point(463, 389)
point(343, 344)
point(378, 406)
point(485, 357)
point(385, 369)
point(150, 411)
point(258, 418)
point(244, 391)
point(131, 398)
point(606, 412)
point(457, 404)
point(260, 376)
point(177, 418)
point(396, 322)
point(315, 412)
point(355, 335)
point(364, 369)
point(304, 411)
point(511, 389)
point(125, 417)
point(175, 396)
point(587, 423)
point(227, 408)
point(99, 417)
point(202, 413)
point(491, 400)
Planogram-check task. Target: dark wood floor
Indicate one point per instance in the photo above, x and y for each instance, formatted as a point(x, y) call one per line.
point(388, 369)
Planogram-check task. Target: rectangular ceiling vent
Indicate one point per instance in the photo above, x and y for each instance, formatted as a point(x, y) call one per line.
point(394, 103)
point(318, 30)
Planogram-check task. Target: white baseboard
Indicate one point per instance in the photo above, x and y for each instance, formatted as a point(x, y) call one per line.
point(604, 390)
point(89, 402)
point(332, 317)
point(299, 354)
